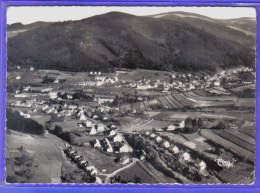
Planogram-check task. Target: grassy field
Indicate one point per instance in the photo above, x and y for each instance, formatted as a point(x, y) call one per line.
point(152, 75)
point(46, 151)
point(27, 172)
point(138, 170)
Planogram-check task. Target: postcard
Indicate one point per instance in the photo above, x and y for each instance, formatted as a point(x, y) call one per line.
point(130, 95)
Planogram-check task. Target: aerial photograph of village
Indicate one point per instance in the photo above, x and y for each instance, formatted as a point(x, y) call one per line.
point(134, 95)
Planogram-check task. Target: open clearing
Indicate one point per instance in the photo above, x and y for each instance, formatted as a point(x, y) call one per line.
point(45, 150)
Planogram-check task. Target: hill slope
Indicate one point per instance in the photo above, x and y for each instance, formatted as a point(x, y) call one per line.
point(122, 40)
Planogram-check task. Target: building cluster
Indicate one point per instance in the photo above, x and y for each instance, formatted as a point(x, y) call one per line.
point(182, 154)
point(99, 80)
point(83, 163)
point(113, 143)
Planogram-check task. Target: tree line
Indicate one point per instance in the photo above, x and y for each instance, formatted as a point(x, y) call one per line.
point(18, 123)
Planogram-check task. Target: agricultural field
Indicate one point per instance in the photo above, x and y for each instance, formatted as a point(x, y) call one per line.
point(191, 99)
point(236, 140)
point(211, 135)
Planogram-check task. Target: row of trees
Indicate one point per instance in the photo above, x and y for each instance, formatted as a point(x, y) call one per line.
point(66, 136)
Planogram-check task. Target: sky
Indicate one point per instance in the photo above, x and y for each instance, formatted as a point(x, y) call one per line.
point(30, 14)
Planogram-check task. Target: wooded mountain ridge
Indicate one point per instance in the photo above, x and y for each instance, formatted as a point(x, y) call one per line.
point(176, 41)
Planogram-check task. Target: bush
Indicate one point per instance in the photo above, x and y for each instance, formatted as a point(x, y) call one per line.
point(11, 179)
point(23, 160)
point(25, 173)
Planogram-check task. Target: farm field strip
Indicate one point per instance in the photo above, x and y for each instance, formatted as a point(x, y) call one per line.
point(245, 102)
point(242, 136)
point(249, 132)
point(173, 99)
point(189, 95)
point(202, 93)
point(180, 99)
point(211, 135)
point(235, 140)
point(191, 137)
point(175, 102)
point(166, 102)
point(212, 98)
point(171, 103)
point(162, 102)
point(187, 101)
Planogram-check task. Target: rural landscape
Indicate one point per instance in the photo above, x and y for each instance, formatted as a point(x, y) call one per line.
point(118, 98)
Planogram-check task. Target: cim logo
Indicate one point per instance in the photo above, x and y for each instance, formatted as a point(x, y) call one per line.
point(225, 162)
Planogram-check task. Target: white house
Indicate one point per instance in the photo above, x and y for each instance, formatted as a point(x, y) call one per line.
point(166, 144)
point(200, 164)
point(98, 180)
point(152, 135)
point(88, 124)
point(125, 148)
point(216, 83)
point(143, 87)
point(174, 149)
point(95, 117)
point(185, 156)
point(31, 68)
point(158, 139)
point(112, 132)
point(56, 81)
point(112, 126)
point(118, 138)
point(171, 128)
point(100, 127)
point(93, 130)
point(53, 95)
point(82, 117)
point(18, 77)
point(147, 133)
point(124, 160)
point(97, 144)
point(181, 124)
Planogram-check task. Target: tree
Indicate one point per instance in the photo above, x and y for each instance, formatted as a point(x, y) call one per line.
point(221, 125)
point(200, 124)
point(58, 130)
point(137, 179)
point(11, 179)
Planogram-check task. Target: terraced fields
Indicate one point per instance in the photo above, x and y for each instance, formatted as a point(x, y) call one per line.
point(191, 99)
point(240, 147)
